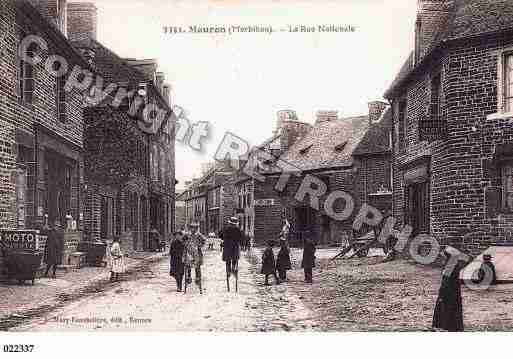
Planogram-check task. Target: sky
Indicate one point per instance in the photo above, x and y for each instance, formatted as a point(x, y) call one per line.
point(238, 82)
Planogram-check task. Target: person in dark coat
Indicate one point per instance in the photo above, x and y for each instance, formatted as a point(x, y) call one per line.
point(487, 271)
point(283, 263)
point(448, 314)
point(268, 263)
point(54, 248)
point(232, 239)
point(176, 266)
point(308, 262)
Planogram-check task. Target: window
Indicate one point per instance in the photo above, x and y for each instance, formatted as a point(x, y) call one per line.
point(26, 81)
point(435, 97)
point(508, 82)
point(401, 117)
point(507, 185)
point(60, 99)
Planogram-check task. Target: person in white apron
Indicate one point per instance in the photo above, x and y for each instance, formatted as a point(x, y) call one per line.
point(116, 260)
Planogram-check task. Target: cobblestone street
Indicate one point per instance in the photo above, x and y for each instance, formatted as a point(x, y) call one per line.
point(347, 295)
point(148, 301)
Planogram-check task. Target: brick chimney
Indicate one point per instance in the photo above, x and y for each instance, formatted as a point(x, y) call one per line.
point(166, 93)
point(324, 116)
point(284, 115)
point(82, 21)
point(432, 16)
point(376, 109)
point(55, 11)
point(160, 77)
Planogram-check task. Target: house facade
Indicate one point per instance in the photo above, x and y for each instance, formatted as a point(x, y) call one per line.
point(41, 121)
point(129, 176)
point(196, 204)
point(180, 212)
point(259, 209)
point(352, 155)
point(453, 134)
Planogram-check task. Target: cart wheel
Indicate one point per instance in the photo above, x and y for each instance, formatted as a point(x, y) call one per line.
point(363, 253)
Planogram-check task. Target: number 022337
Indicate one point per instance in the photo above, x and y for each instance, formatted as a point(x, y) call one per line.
point(18, 348)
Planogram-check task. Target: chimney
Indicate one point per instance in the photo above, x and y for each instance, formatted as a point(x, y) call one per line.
point(324, 116)
point(432, 16)
point(55, 11)
point(376, 109)
point(82, 21)
point(160, 82)
point(166, 93)
point(284, 115)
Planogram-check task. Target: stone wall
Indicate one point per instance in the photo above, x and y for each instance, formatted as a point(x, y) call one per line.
point(461, 166)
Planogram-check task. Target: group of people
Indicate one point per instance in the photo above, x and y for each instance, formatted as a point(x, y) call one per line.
point(186, 253)
point(278, 267)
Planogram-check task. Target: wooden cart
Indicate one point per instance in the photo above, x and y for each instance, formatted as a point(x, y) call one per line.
point(23, 265)
point(360, 245)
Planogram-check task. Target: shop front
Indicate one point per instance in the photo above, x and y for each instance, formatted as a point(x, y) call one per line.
point(48, 181)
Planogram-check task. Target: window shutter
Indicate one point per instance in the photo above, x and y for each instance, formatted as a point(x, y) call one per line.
point(493, 200)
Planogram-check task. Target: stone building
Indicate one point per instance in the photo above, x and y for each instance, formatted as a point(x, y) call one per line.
point(210, 200)
point(338, 154)
point(261, 214)
point(180, 212)
point(129, 176)
point(453, 106)
point(196, 204)
point(41, 121)
point(221, 197)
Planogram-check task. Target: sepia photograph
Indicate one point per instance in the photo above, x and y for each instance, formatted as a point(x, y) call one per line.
point(289, 167)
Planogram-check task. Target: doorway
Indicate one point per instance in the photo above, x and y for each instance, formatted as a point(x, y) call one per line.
point(417, 207)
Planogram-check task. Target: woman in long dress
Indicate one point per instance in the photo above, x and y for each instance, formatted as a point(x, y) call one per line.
point(448, 314)
point(116, 260)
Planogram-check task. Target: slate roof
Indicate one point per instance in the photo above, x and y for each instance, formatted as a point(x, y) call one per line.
point(469, 18)
point(112, 67)
point(376, 140)
point(317, 150)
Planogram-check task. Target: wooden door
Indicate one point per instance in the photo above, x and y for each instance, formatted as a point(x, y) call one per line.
point(417, 207)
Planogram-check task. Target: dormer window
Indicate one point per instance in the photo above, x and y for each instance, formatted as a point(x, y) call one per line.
point(340, 147)
point(305, 150)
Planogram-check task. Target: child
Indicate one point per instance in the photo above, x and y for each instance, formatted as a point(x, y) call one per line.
point(308, 261)
point(268, 263)
point(116, 260)
point(283, 260)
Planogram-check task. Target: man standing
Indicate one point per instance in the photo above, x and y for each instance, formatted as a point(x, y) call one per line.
point(232, 238)
point(176, 266)
point(198, 240)
point(54, 248)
